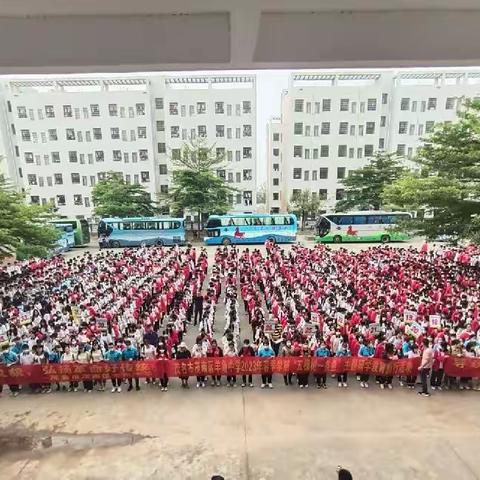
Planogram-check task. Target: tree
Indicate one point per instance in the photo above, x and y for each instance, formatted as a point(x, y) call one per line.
point(113, 197)
point(197, 183)
point(303, 204)
point(24, 230)
point(446, 185)
point(364, 187)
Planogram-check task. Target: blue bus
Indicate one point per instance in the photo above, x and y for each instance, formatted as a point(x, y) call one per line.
point(140, 231)
point(67, 237)
point(244, 228)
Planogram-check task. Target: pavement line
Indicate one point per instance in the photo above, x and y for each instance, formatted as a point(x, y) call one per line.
point(468, 467)
point(247, 462)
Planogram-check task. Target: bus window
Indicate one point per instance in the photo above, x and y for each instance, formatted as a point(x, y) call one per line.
point(167, 225)
point(240, 221)
point(257, 221)
point(230, 222)
point(333, 218)
point(214, 223)
point(127, 226)
point(359, 219)
point(269, 221)
point(375, 219)
point(175, 225)
point(139, 226)
point(345, 220)
point(151, 226)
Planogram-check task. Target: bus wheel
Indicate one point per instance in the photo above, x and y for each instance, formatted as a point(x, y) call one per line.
point(226, 241)
point(115, 244)
point(337, 239)
point(385, 238)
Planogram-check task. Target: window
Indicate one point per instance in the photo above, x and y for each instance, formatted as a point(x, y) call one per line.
point(298, 105)
point(72, 156)
point(76, 178)
point(339, 194)
point(237, 155)
point(402, 127)
point(77, 200)
point(230, 156)
point(276, 167)
point(201, 108)
point(276, 152)
point(160, 125)
point(32, 179)
point(58, 178)
point(219, 130)
point(359, 152)
point(67, 110)
point(450, 103)
point(410, 153)
point(145, 177)
point(26, 137)
point(99, 156)
point(383, 120)
point(28, 157)
point(276, 182)
point(275, 196)
point(52, 134)
point(370, 128)
point(142, 132)
point(161, 148)
point(115, 133)
point(49, 111)
point(176, 154)
point(298, 128)
point(220, 152)
point(140, 108)
point(117, 155)
point(306, 175)
point(306, 153)
point(49, 181)
point(324, 151)
point(340, 172)
point(219, 108)
point(164, 189)
point(247, 106)
point(411, 129)
point(238, 177)
point(384, 98)
point(323, 173)
point(414, 106)
point(237, 133)
point(87, 202)
point(317, 107)
point(175, 131)
point(247, 130)
point(159, 103)
point(315, 153)
point(343, 128)
point(88, 136)
point(322, 193)
point(423, 106)
point(247, 152)
point(297, 151)
point(429, 126)
point(21, 112)
point(371, 104)
point(134, 158)
point(309, 107)
point(143, 154)
point(401, 149)
point(94, 110)
point(368, 150)
point(354, 107)
point(173, 108)
point(297, 173)
point(344, 104)
point(97, 133)
point(202, 131)
point(229, 110)
point(70, 134)
point(405, 104)
point(315, 130)
point(163, 169)
point(432, 103)
point(247, 175)
point(360, 130)
point(420, 130)
point(381, 143)
point(17, 151)
point(351, 152)
point(326, 105)
point(342, 150)
point(112, 109)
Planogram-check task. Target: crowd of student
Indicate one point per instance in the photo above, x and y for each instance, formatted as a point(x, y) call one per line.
point(138, 304)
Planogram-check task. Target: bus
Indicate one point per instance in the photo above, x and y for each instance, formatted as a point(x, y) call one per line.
point(368, 226)
point(80, 228)
point(142, 231)
point(250, 228)
point(67, 237)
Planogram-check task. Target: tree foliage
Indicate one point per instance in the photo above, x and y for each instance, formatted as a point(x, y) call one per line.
point(364, 187)
point(196, 185)
point(23, 228)
point(303, 204)
point(446, 184)
point(113, 197)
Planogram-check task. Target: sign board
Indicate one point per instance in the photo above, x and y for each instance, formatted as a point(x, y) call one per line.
point(414, 329)
point(340, 318)
point(435, 321)
point(102, 323)
point(315, 318)
point(309, 330)
point(409, 316)
point(269, 326)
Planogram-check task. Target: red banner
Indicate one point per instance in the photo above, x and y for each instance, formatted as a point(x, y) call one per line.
point(68, 372)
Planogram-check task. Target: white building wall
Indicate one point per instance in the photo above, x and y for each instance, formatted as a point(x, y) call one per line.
point(274, 166)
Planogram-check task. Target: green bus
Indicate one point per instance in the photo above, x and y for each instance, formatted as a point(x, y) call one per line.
point(80, 229)
point(367, 226)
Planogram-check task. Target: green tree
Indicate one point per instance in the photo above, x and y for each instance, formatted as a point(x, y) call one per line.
point(303, 204)
point(197, 182)
point(24, 230)
point(446, 184)
point(364, 187)
point(113, 197)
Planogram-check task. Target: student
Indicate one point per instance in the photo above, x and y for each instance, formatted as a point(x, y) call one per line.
point(247, 351)
point(182, 354)
point(130, 354)
point(343, 351)
point(266, 351)
point(9, 358)
point(215, 351)
point(304, 376)
point(70, 357)
point(388, 354)
point(198, 351)
point(365, 351)
point(425, 366)
point(412, 353)
point(85, 356)
point(149, 353)
point(287, 351)
point(231, 352)
point(114, 355)
point(96, 356)
point(162, 355)
point(54, 357)
point(322, 351)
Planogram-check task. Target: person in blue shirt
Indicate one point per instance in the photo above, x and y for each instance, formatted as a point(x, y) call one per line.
point(131, 354)
point(343, 351)
point(366, 350)
point(322, 351)
point(114, 355)
point(266, 351)
point(54, 357)
point(9, 358)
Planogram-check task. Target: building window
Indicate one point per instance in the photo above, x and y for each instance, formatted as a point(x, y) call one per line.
point(450, 103)
point(371, 104)
point(97, 133)
point(432, 103)
point(72, 156)
point(219, 131)
point(176, 154)
point(76, 178)
point(99, 156)
point(276, 137)
point(202, 131)
point(219, 108)
point(32, 179)
point(17, 151)
point(220, 153)
point(94, 110)
point(160, 125)
point(237, 133)
point(315, 130)
point(315, 153)
point(384, 98)
point(173, 108)
point(423, 106)
point(351, 152)
point(140, 108)
point(87, 202)
point(322, 193)
point(175, 131)
point(142, 132)
point(143, 154)
point(343, 128)
point(117, 155)
point(298, 128)
point(298, 105)
point(164, 189)
point(21, 112)
point(247, 175)
point(297, 173)
point(306, 154)
point(381, 143)
point(26, 137)
point(276, 182)
point(88, 136)
point(344, 104)
point(28, 157)
point(58, 178)
point(342, 150)
point(411, 129)
point(161, 148)
point(275, 196)
point(405, 104)
point(115, 133)
point(383, 120)
point(52, 134)
point(324, 151)
point(60, 200)
point(163, 169)
point(339, 194)
point(247, 130)
point(276, 152)
point(247, 152)
point(67, 111)
point(401, 149)
point(323, 173)
point(326, 105)
point(306, 175)
point(134, 157)
point(402, 127)
point(340, 172)
point(420, 130)
point(314, 175)
point(113, 109)
point(325, 128)
point(429, 126)
point(237, 155)
point(297, 151)
point(49, 111)
point(370, 128)
point(352, 130)
point(238, 176)
point(247, 106)
point(77, 199)
point(276, 167)
point(159, 103)
point(368, 150)
point(145, 177)
point(70, 134)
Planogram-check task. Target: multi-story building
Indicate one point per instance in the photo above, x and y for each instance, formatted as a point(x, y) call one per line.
point(333, 123)
point(274, 165)
point(61, 136)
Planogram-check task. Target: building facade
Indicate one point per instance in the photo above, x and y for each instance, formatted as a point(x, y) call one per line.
point(61, 136)
point(274, 165)
point(332, 123)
